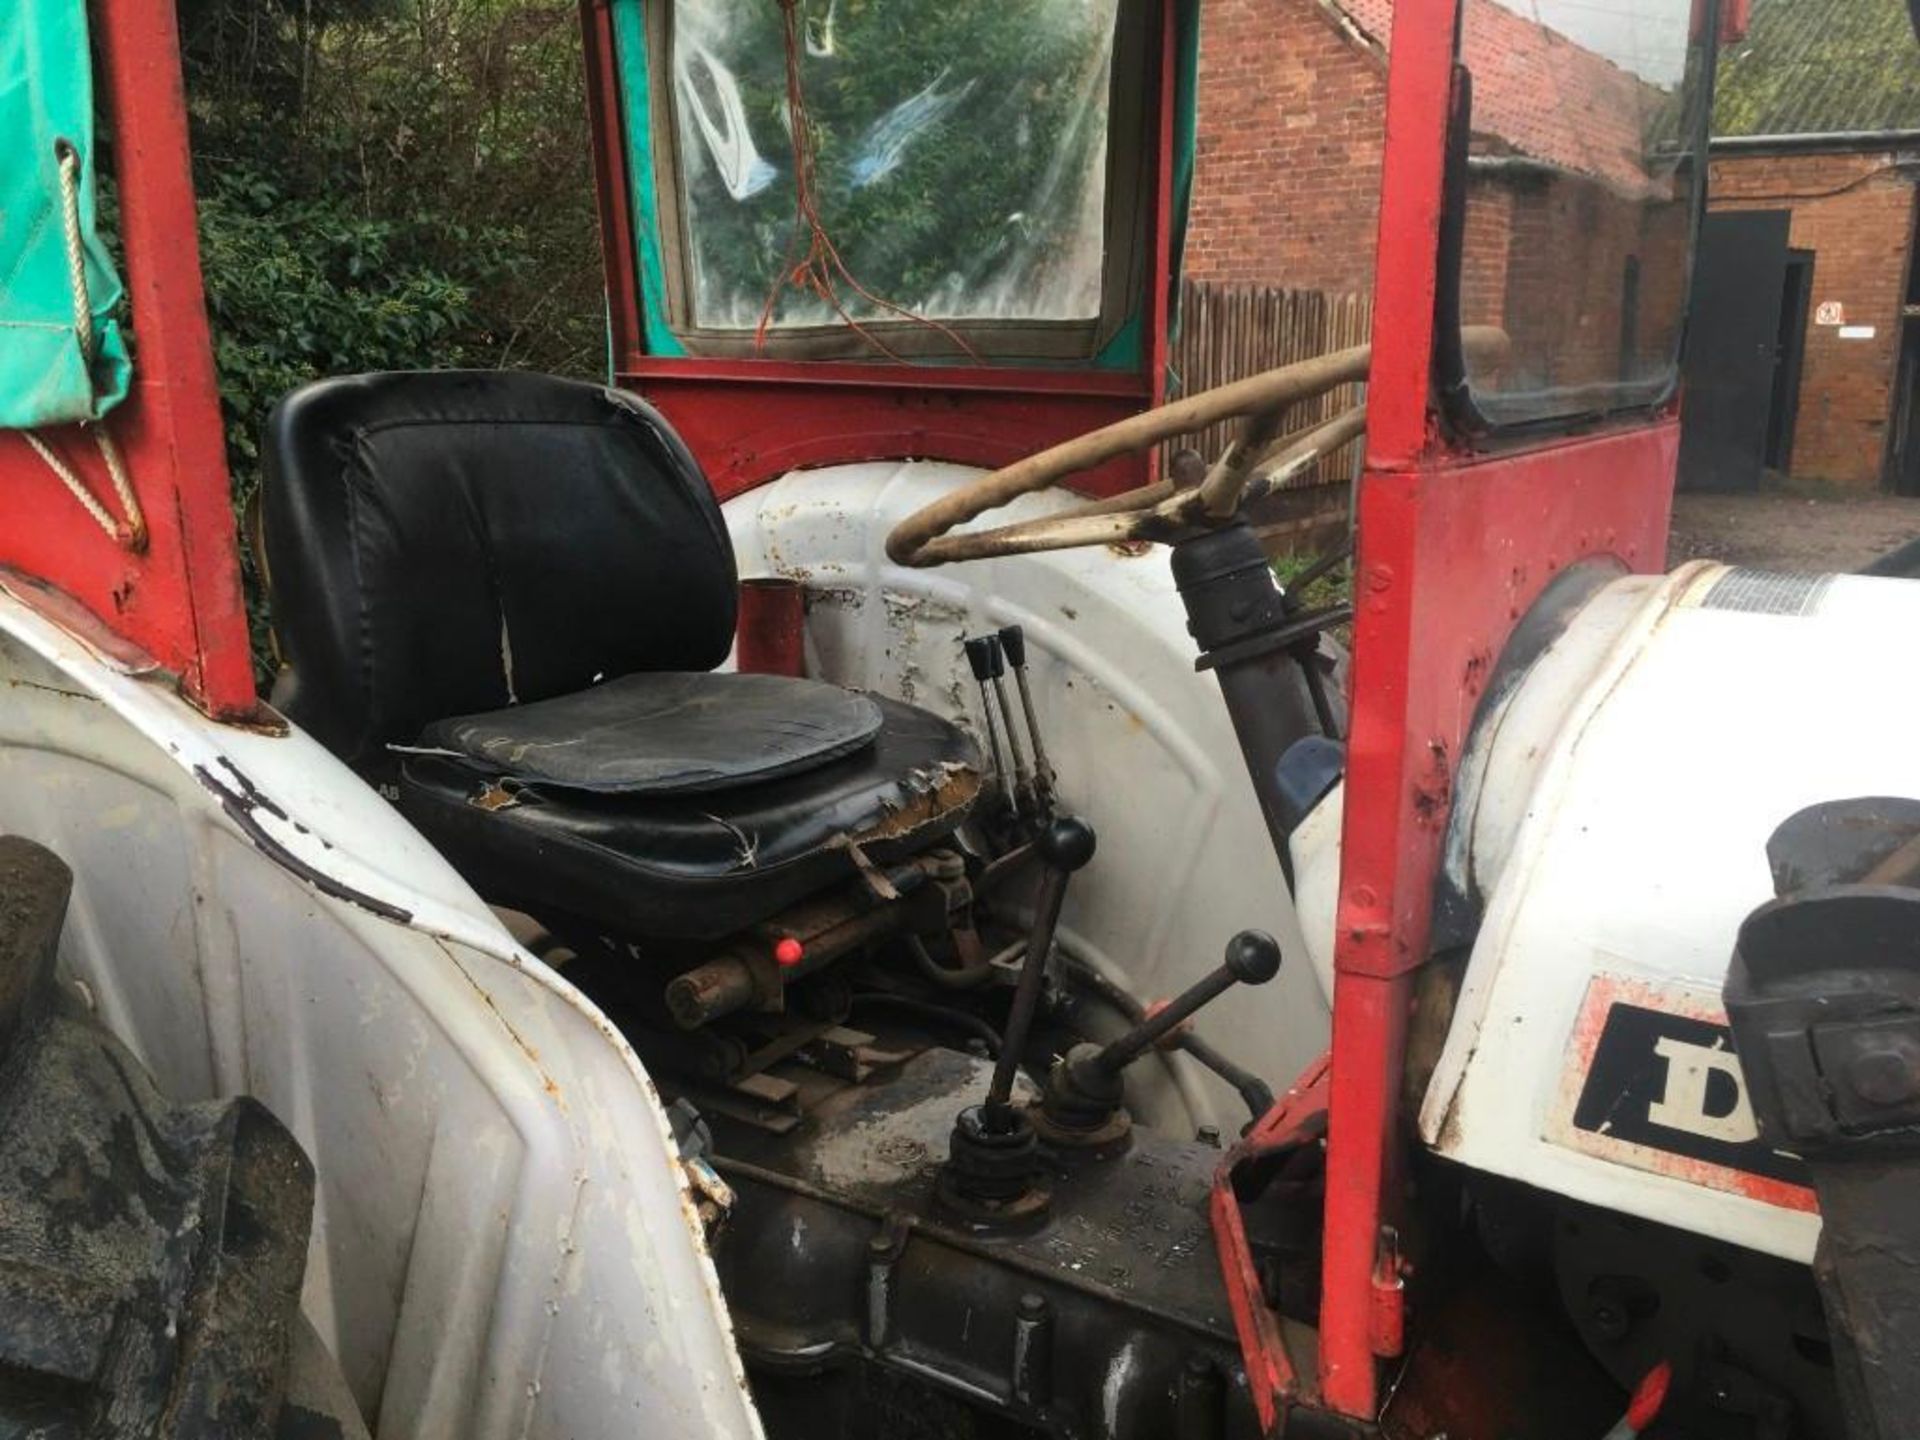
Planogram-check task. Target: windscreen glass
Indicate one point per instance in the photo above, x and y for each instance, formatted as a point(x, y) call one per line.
point(951, 164)
point(1580, 196)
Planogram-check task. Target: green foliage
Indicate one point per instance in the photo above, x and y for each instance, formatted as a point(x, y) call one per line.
point(301, 287)
point(939, 129)
point(1334, 588)
point(1820, 65)
point(387, 184)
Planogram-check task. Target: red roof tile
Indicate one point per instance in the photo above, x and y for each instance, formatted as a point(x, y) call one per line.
point(1540, 94)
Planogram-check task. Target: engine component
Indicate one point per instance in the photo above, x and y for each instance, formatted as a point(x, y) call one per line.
point(151, 1256)
point(1824, 998)
point(1743, 1331)
point(1251, 636)
point(1083, 1105)
point(1111, 1320)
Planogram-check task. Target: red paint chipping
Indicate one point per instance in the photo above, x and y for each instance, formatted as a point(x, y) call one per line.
point(1271, 1376)
point(1603, 993)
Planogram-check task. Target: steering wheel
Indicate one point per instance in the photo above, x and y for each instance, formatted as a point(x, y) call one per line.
point(1253, 465)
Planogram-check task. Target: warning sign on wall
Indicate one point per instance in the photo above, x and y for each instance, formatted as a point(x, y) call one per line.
point(1830, 312)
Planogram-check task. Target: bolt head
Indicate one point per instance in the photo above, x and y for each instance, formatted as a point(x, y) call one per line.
point(1887, 1074)
point(1609, 1321)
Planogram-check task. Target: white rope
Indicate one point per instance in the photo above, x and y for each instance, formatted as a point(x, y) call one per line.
point(69, 160)
point(122, 485)
point(133, 533)
point(75, 486)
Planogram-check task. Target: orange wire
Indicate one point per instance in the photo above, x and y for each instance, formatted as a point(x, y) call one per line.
point(817, 269)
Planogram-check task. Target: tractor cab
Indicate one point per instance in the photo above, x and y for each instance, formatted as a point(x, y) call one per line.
point(823, 886)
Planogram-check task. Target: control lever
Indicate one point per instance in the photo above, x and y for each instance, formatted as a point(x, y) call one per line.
point(993, 1165)
point(987, 662)
point(1064, 847)
point(1013, 641)
point(1083, 1104)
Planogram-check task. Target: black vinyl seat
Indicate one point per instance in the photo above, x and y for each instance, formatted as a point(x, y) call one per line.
point(501, 596)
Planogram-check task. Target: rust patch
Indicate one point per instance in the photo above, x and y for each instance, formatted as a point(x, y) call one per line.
point(1475, 676)
point(1433, 788)
point(493, 796)
point(932, 795)
point(547, 1082)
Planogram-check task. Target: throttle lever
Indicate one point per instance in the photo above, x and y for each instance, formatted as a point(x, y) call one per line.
point(988, 664)
point(1013, 642)
point(1083, 1104)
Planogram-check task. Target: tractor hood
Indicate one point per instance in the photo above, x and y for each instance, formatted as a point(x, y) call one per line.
point(1618, 834)
point(1609, 837)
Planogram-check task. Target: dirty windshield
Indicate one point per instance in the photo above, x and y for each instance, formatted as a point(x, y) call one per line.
point(1580, 193)
point(955, 166)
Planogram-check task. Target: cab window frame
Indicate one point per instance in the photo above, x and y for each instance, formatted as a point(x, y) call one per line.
point(1471, 417)
point(1126, 253)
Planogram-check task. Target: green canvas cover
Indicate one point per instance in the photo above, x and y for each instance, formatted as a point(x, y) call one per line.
point(46, 97)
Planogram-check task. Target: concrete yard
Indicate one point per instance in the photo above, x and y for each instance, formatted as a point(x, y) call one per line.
point(1791, 532)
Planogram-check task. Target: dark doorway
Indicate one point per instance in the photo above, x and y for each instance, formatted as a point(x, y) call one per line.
point(1733, 340)
point(1796, 298)
point(1904, 455)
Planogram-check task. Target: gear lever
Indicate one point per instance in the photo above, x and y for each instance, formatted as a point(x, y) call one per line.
point(1083, 1102)
point(993, 1161)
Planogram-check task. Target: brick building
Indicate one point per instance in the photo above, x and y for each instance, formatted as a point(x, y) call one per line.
point(1287, 170)
point(1817, 118)
point(1568, 218)
point(1817, 127)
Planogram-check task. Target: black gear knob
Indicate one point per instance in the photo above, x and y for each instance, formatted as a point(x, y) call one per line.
point(1253, 957)
point(1066, 844)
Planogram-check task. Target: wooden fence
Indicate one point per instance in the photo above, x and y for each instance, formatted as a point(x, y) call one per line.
point(1231, 331)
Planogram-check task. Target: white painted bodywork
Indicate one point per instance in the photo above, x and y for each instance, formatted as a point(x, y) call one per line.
point(1142, 743)
point(1615, 816)
point(502, 1244)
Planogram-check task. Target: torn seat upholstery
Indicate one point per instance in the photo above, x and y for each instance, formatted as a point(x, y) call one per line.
point(501, 597)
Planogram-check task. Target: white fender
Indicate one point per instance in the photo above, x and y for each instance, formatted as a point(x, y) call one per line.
point(1142, 743)
point(503, 1244)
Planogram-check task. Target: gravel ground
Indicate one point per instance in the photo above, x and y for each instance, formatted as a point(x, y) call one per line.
point(1790, 532)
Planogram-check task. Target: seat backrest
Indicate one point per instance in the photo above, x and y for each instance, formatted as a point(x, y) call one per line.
point(445, 542)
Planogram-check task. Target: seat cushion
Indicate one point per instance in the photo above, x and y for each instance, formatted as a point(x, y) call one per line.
point(664, 734)
point(447, 542)
point(695, 865)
